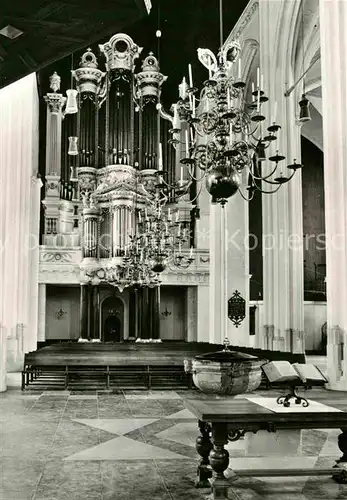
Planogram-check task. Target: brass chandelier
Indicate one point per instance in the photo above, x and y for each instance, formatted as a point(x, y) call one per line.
point(223, 131)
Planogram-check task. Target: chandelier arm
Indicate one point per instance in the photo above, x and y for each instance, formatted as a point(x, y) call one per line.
point(263, 191)
point(196, 179)
point(250, 198)
point(197, 196)
point(263, 178)
point(252, 132)
point(276, 182)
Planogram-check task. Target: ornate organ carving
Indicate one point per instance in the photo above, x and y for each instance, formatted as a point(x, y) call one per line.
point(120, 135)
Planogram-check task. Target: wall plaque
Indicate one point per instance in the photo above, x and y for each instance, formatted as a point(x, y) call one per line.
point(236, 308)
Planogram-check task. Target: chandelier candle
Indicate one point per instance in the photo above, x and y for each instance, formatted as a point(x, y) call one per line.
point(190, 75)
point(229, 99)
point(176, 119)
point(191, 135)
point(160, 163)
point(184, 88)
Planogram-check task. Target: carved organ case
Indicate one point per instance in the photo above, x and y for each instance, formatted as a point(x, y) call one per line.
point(110, 148)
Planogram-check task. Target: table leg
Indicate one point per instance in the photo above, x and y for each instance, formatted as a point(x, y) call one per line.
point(342, 462)
point(219, 460)
point(203, 447)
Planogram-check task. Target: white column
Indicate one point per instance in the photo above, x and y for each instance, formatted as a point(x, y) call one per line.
point(238, 264)
point(333, 22)
point(203, 311)
point(41, 327)
point(2, 359)
point(229, 269)
point(33, 248)
point(18, 157)
point(282, 212)
point(216, 277)
point(191, 313)
point(55, 104)
point(3, 244)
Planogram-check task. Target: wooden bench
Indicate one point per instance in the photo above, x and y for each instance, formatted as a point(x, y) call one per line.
point(122, 365)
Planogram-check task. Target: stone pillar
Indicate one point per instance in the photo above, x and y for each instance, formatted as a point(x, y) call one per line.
point(145, 332)
point(96, 312)
point(229, 269)
point(137, 312)
point(216, 301)
point(143, 316)
point(33, 249)
point(333, 22)
point(154, 294)
point(283, 319)
point(3, 386)
point(55, 102)
point(83, 313)
point(90, 312)
point(191, 313)
point(41, 333)
point(203, 312)
point(19, 105)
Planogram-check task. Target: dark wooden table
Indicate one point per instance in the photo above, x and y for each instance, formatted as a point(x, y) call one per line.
point(223, 420)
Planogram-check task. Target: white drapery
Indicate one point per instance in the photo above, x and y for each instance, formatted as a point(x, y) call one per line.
point(19, 221)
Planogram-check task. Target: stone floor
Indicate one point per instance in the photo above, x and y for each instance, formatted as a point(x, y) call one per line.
point(139, 445)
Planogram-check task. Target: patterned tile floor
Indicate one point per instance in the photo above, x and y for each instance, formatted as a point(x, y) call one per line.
point(140, 445)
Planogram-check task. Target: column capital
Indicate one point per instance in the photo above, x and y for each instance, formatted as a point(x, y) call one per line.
point(55, 102)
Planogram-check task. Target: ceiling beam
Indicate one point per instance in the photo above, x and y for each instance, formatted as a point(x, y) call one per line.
point(63, 38)
point(23, 21)
point(48, 10)
point(104, 5)
point(3, 53)
point(28, 60)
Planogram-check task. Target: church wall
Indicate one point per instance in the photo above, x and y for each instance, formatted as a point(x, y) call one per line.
point(203, 312)
point(62, 313)
point(313, 221)
point(173, 325)
point(315, 315)
point(191, 313)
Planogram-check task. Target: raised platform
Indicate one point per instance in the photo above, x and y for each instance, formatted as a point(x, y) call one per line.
point(94, 365)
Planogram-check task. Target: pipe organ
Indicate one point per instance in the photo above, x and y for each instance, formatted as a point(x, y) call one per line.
point(102, 167)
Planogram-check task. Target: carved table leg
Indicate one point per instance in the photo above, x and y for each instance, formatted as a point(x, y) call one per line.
point(342, 462)
point(203, 447)
point(219, 460)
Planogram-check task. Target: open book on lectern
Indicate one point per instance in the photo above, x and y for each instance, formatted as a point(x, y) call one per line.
point(283, 371)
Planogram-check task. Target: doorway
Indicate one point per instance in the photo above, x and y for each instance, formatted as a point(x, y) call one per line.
point(112, 320)
point(112, 329)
